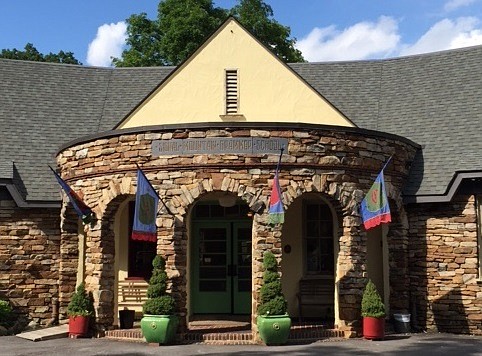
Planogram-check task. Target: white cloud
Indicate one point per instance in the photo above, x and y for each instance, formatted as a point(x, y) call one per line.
point(455, 4)
point(108, 43)
point(447, 34)
point(360, 41)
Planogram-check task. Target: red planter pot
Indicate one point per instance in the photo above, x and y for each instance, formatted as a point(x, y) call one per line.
point(78, 325)
point(373, 328)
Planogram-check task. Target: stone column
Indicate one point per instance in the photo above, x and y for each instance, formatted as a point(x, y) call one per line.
point(350, 272)
point(99, 271)
point(69, 258)
point(264, 238)
point(172, 244)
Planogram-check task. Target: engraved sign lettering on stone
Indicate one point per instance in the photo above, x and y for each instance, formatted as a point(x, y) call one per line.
point(247, 145)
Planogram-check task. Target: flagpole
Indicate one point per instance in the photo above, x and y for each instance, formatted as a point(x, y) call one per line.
point(386, 164)
point(53, 170)
point(82, 209)
point(279, 159)
point(162, 201)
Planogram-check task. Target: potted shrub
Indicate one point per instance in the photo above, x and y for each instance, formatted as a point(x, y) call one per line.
point(6, 317)
point(273, 321)
point(158, 323)
point(79, 310)
point(373, 312)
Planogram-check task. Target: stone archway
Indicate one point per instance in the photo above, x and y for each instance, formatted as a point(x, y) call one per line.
point(175, 232)
point(219, 256)
point(312, 228)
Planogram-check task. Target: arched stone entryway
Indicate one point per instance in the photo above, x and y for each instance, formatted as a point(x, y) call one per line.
point(220, 256)
point(310, 239)
point(336, 163)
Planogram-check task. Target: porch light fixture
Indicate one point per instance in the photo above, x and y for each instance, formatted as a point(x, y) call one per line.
point(227, 200)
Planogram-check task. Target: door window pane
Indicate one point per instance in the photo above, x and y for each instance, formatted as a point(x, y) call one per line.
point(318, 240)
point(212, 286)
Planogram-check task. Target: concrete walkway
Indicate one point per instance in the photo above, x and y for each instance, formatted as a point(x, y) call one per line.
point(409, 344)
point(55, 332)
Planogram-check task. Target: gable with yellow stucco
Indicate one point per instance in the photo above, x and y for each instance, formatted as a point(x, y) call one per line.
point(264, 89)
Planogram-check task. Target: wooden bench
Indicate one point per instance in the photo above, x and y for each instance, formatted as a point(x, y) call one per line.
point(132, 294)
point(315, 292)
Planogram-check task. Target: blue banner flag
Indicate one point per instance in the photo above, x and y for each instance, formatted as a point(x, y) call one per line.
point(276, 213)
point(145, 228)
point(374, 207)
point(82, 210)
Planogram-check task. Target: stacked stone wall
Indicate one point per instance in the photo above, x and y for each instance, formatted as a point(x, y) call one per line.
point(29, 260)
point(337, 164)
point(445, 289)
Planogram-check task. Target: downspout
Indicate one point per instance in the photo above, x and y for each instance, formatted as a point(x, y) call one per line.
point(55, 313)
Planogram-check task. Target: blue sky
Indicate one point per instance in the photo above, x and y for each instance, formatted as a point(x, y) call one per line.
point(326, 30)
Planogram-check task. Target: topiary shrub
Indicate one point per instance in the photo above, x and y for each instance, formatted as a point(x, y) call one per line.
point(81, 303)
point(6, 315)
point(158, 302)
point(372, 305)
point(272, 300)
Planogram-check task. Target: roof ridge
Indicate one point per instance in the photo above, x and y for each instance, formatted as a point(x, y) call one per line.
point(383, 60)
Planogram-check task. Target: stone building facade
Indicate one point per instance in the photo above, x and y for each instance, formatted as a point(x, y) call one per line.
point(337, 164)
point(29, 261)
point(338, 124)
point(444, 266)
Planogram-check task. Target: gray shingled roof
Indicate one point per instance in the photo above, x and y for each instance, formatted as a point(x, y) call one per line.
point(6, 169)
point(43, 105)
point(432, 99)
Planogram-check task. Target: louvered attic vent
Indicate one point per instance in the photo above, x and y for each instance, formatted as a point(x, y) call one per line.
point(231, 92)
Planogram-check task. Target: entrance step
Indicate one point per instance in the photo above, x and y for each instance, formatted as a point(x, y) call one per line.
point(314, 332)
point(222, 332)
point(55, 332)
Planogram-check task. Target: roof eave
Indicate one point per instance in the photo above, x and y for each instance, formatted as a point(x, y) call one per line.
point(451, 191)
point(22, 203)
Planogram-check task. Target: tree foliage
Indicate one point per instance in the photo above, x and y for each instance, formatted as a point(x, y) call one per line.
point(30, 53)
point(372, 305)
point(159, 302)
point(273, 301)
point(183, 25)
point(143, 40)
point(81, 303)
point(257, 17)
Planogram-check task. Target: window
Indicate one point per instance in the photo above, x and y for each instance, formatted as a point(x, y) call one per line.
point(318, 240)
point(232, 104)
point(141, 253)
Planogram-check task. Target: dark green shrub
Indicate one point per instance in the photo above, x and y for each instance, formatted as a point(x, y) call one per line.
point(6, 314)
point(163, 305)
point(272, 300)
point(81, 303)
point(372, 305)
point(276, 306)
point(270, 291)
point(157, 283)
point(158, 302)
point(270, 276)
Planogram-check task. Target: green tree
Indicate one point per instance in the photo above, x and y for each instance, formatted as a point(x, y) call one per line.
point(257, 17)
point(30, 53)
point(143, 42)
point(183, 25)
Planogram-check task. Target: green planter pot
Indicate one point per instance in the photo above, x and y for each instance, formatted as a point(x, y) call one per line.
point(159, 329)
point(274, 329)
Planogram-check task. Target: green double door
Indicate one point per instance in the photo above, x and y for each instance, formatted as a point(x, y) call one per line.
point(221, 268)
